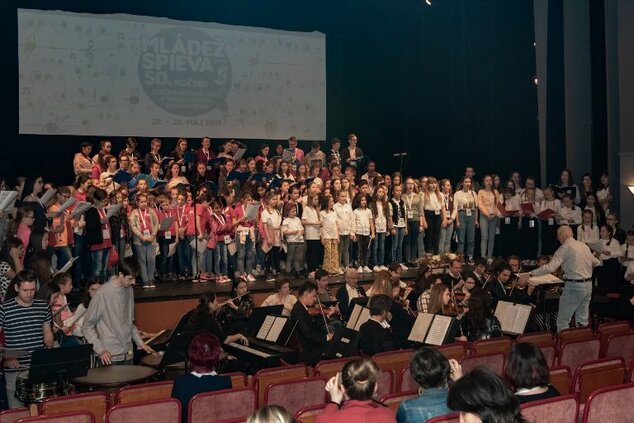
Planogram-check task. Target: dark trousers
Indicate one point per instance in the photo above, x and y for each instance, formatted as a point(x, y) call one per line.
point(314, 254)
point(364, 248)
point(273, 259)
point(529, 237)
point(432, 233)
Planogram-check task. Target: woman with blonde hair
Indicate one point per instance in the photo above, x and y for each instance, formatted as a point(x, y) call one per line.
point(382, 285)
point(271, 414)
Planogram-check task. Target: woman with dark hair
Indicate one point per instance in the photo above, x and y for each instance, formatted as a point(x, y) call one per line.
point(77, 320)
point(204, 355)
point(10, 263)
point(204, 319)
point(566, 181)
point(236, 311)
point(98, 234)
point(351, 393)
point(33, 187)
point(439, 299)
point(434, 374)
point(482, 397)
point(263, 153)
point(479, 322)
point(527, 372)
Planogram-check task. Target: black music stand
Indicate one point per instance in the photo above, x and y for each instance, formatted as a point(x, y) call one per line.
point(59, 364)
point(345, 343)
point(362, 301)
point(259, 314)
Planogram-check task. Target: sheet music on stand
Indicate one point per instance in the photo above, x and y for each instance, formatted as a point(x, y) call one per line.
point(431, 329)
point(359, 316)
point(271, 328)
point(513, 317)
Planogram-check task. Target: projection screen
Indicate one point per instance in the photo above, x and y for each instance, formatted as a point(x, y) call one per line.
point(123, 75)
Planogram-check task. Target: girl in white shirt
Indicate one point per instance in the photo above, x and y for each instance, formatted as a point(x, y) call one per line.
point(609, 272)
point(603, 193)
point(382, 225)
point(344, 225)
point(312, 227)
point(569, 214)
point(271, 243)
point(293, 231)
point(588, 231)
point(364, 232)
point(329, 235)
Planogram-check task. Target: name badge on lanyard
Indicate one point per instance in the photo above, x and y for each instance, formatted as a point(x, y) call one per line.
point(551, 221)
point(183, 168)
point(507, 220)
point(168, 234)
point(105, 228)
point(146, 232)
point(410, 214)
point(468, 212)
point(437, 212)
point(531, 223)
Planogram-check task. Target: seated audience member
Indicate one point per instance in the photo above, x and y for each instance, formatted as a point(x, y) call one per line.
point(479, 322)
point(283, 296)
point(313, 338)
point(482, 397)
point(203, 354)
point(433, 373)
point(271, 414)
point(351, 393)
point(527, 372)
point(376, 335)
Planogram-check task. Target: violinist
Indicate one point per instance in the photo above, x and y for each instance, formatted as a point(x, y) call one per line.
point(503, 289)
point(515, 263)
point(402, 316)
point(376, 334)
point(479, 271)
point(441, 303)
point(453, 277)
point(461, 294)
point(349, 291)
point(333, 317)
point(314, 341)
point(479, 322)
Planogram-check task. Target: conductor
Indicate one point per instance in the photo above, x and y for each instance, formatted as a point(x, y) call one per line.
point(577, 262)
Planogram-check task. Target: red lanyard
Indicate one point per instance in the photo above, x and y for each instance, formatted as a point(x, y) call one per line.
point(143, 222)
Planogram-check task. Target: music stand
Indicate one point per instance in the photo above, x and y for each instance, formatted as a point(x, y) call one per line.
point(362, 301)
point(345, 343)
point(259, 314)
point(59, 364)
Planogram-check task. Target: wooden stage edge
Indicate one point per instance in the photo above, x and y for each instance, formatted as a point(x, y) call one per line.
point(161, 307)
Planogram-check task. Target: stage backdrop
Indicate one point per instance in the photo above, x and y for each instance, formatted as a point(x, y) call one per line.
point(83, 74)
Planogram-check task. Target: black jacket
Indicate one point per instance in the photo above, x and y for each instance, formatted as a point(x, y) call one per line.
point(375, 338)
point(311, 337)
point(344, 299)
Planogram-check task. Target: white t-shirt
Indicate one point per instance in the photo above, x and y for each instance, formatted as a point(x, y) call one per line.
point(380, 220)
point(344, 218)
point(293, 224)
point(588, 234)
point(313, 232)
point(329, 224)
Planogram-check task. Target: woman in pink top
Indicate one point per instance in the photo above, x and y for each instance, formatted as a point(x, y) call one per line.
point(25, 218)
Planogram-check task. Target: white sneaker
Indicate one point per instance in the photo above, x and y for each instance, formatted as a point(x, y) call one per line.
point(360, 269)
point(250, 278)
point(366, 269)
point(376, 269)
point(404, 267)
point(341, 271)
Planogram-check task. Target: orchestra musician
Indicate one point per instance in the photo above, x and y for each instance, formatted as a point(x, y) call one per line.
point(376, 334)
point(325, 296)
point(314, 340)
point(349, 291)
point(453, 277)
point(479, 270)
point(503, 288)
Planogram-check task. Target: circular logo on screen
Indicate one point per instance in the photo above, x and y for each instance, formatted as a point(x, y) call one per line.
point(184, 71)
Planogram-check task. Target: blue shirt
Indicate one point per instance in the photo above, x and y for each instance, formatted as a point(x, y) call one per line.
point(432, 403)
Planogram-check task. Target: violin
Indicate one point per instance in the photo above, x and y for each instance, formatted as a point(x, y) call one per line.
point(401, 300)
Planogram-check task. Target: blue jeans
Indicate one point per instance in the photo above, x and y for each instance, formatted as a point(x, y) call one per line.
point(82, 267)
point(220, 258)
point(184, 255)
point(146, 254)
point(100, 263)
point(165, 264)
point(397, 245)
point(466, 233)
point(574, 300)
point(208, 261)
point(245, 253)
point(63, 255)
point(378, 249)
point(445, 239)
point(487, 235)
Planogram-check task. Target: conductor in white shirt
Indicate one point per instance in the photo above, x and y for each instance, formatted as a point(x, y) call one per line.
point(577, 262)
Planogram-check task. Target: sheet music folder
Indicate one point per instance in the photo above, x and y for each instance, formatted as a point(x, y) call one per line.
point(431, 329)
point(276, 329)
point(513, 317)
point(358, 316)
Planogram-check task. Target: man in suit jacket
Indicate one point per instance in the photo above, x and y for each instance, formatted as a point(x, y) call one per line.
point(314, 341)
point(348, 291)
point(453, 277)
point(497, 288)
point(376, 335)
point(479, 268)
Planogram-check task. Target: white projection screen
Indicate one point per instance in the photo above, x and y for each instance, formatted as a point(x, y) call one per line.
point(124, 75)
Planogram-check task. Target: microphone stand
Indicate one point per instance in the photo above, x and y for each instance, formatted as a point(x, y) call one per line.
point(401, 157)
